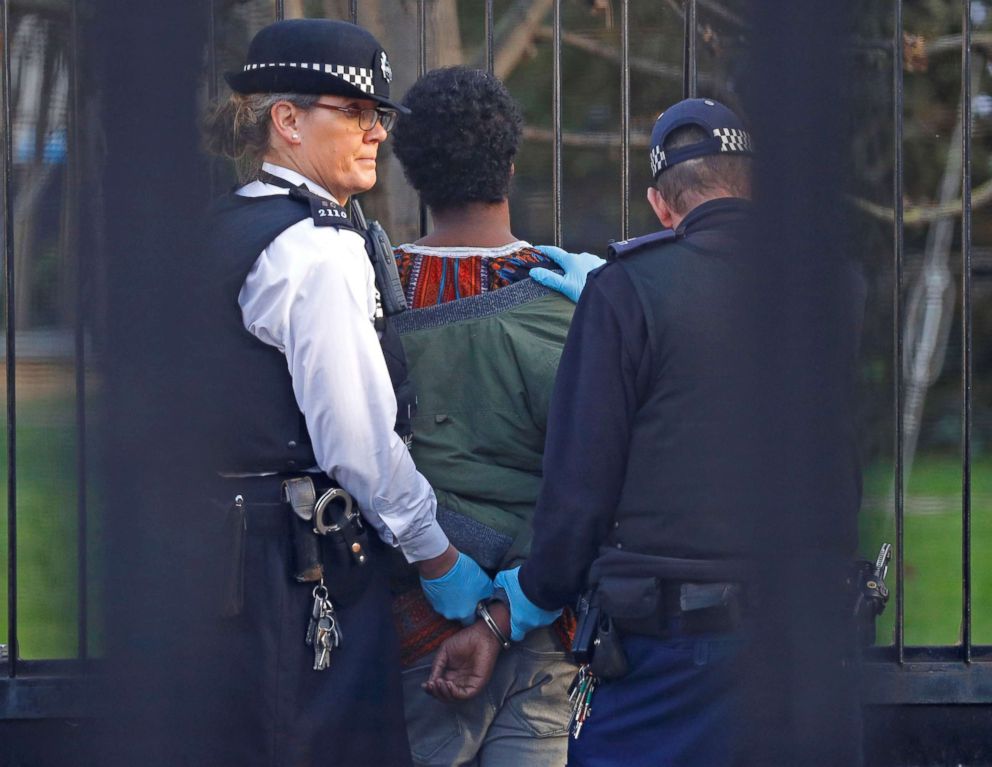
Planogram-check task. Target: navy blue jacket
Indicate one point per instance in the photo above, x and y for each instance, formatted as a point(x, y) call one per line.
point(647, 448)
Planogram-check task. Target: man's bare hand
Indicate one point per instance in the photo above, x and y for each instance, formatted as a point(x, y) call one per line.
point(464, 664)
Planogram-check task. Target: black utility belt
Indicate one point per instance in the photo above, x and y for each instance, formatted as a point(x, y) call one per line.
point(649, 606)
point(646, 606)
point(682, 608)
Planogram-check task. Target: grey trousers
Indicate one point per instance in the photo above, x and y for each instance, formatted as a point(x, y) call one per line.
point(520, 719)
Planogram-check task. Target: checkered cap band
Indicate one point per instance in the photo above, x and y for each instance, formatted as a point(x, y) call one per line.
point(657, 160)
point(360, 77)
point(733, 140)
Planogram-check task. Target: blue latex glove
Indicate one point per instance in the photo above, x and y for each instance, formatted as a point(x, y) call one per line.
point(524, 615)
point(456, 593)
point(576, 266)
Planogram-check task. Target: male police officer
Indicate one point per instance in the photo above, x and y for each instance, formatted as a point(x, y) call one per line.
point(641, 500)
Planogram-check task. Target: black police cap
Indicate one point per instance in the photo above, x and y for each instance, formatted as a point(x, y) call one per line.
point(316, 56)
point(724, 130)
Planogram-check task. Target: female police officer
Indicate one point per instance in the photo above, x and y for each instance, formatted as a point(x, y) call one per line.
point(306, 370)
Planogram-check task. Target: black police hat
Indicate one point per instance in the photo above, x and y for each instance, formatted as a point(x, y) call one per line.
point(725, 133)
point(316, 56)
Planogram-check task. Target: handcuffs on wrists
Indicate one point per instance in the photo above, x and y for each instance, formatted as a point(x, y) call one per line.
point(482, 611)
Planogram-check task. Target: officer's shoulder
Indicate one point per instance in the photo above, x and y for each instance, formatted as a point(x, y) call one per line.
point(255, 211)
point(612, 282)
point(301, 205)
point(306, 243)
point(627, 248)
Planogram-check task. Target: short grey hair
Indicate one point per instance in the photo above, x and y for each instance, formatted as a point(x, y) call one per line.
point(701, 176)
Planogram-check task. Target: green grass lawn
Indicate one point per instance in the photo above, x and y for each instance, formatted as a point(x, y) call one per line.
point(47, 533)
point(934, 549)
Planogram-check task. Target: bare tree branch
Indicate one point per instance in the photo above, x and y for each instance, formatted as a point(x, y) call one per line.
point(677, 8)
point(610, 53)
point(512, 42)
point(718, 10)
point(568, 138)
point(917, 215)
point(953, 42)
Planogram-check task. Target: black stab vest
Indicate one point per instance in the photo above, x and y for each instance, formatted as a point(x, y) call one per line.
point(682, 492)
point(255, 424)
point(697, 476)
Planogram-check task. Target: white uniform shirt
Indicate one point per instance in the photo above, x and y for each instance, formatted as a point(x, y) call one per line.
point(311, 294)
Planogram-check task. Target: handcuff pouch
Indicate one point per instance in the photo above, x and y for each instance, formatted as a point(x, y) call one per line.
point(301, 496)
point(330, 542)
point(597, 640)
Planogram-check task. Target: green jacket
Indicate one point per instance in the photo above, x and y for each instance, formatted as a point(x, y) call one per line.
point(484, 368)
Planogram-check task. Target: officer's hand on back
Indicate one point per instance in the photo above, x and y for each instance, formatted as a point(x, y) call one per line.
point(456, 593)
point(525, 616)
point(576, 265)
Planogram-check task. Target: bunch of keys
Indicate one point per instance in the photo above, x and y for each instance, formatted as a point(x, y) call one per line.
point(580, 696)
point(323, 631)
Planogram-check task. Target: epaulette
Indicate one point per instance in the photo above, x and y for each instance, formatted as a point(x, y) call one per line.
point(324, 212)
point(623, 248)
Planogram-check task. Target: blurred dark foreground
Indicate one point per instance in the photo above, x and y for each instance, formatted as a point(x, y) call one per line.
point(152, 701)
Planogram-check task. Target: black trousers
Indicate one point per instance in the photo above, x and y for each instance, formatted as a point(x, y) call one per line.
point(268, 706)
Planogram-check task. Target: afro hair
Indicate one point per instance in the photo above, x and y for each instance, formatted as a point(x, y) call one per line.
point(458, 145)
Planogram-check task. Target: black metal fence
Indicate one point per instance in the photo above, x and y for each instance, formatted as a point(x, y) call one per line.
point(52, 282)
point(953, 673)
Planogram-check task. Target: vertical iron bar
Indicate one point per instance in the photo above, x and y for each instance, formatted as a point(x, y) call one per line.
point(624, 119)
point(73, 200)
point(898, 256)
point(354, 11)
point(966, 324)
point(280, 9)
point(556, 168)
point(689, 64)
point(490, 38)
point(422, 31)
point(8, 198)
point(421, 69)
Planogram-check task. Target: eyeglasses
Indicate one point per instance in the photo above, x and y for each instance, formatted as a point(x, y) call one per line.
point(367, 118)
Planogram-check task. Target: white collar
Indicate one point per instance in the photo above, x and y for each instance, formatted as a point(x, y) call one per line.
point(461, 251)
point(296, 178)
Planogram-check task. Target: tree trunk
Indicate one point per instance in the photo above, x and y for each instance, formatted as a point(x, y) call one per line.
point(395, 25)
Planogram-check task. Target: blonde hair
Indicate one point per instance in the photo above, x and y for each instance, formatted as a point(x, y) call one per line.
point(239, 128)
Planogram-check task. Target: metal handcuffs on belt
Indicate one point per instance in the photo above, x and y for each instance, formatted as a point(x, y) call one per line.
point(322, 513)
point(333, 512)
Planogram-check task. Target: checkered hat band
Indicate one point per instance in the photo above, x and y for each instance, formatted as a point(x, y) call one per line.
point(733, 140)
point(657, 160)
point(360, 77)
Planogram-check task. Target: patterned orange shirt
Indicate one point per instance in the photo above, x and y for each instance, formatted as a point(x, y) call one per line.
point(432, 276)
